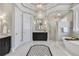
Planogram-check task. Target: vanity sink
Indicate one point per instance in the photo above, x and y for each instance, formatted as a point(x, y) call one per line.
point(72, 45)
point(71, 38)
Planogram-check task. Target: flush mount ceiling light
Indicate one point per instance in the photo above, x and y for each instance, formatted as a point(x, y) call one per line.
point(59, 14)
point(39, 7)
point(40, 10)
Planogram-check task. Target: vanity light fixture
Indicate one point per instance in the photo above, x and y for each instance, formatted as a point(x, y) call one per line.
point(40, 11)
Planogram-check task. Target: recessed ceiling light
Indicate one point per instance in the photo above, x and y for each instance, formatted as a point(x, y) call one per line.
point(59, 14)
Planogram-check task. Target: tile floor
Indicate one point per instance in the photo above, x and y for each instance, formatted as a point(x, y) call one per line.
point(23, 49)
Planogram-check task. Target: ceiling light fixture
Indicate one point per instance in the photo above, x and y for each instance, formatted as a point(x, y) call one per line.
point(39, 6)
point(40, 15)
point(59, 14)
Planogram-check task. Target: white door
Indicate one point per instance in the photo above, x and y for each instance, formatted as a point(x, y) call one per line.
point(26, 27)
point(18, 27)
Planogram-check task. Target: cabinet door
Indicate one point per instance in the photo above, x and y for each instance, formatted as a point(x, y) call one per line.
point(0, 47)
point(26, 27)
point(3, 47)
point(7, 44)
point(18, 27)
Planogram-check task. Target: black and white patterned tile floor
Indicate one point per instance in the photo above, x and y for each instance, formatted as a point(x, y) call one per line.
point(39, 50)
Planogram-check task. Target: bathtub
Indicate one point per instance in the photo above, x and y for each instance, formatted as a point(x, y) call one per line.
point(72, 47)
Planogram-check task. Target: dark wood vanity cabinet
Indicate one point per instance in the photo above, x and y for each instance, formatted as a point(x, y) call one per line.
point(40, 36)
point(5, 45)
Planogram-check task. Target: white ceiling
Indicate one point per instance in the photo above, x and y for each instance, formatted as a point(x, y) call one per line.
point(50, 8)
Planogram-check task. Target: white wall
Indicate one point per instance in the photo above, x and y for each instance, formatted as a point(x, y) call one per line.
point(65, 26)
point(76, 21)
point(52, 30)
point(27, 27)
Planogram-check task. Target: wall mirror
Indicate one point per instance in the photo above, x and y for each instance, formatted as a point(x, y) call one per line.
point(5, 19)
point(40, 24)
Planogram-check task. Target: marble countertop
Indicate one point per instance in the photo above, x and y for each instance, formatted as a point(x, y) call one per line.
point(39, 31)
point(2, 36)
point(75, 42)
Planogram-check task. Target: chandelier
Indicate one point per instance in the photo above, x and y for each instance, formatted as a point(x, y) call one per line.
point(40, 11)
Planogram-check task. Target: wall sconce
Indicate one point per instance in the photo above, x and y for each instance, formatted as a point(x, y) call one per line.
point(2, 16)
point(34, 22)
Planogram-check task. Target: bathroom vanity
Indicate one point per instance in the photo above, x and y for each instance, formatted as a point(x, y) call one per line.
point(5, 45)
point(72, 45)
point(40, 36)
